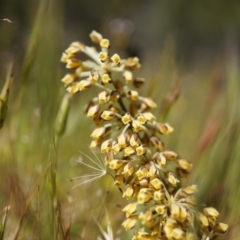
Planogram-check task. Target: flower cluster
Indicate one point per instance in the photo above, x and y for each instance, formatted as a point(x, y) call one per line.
point(128, 134)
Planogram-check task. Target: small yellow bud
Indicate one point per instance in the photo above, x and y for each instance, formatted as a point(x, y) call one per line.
point(172, 179)
point(150, 103)
point(128, 151)
point(132, 63)
point(161, 209)
point(73, 63)
point(210, 212)
point(105, 78)
point(119, 180)
point(142, 172)
point(150, 224)
point(160, 159)
point(94, 144)
point(221, 227)
point(106, 146)
point(137, 126)
point(72, 50)
point(145, 195)
point(116, 164)
point(159, 195)
point(84, 84)
point(141, 150)
point(128, 169)
point(98, 132)
point(130, 223)
point(126, 118)
point(133, 95)
point(142, 235)
point(164, 128)
point(142, 119)
point(203, 220)
point(184, 164)
point(130, 209)
point(116, 59)
point(64, 57)
point(145, 216)
point(103, 97)
point(103, 56)
point(78, 71)
point(183, 214)
point(175, 211)
point(92, 111)
point(149, 116)
point(95, 37)
point(68, 79)
point(190, 189)
point(104, 43)
point(178, 234)
point(190, 200)
point(170, 155)
point(107, 115)
point(157, 183)
point(143, 182)
point(157, 144)
point(93, 76)
point(78, 45)
point(109, 157)
point(122, 140)
point(129, 191)
point(134, 141)
point(152, 170)
point(128, 77)
point(74, 88)
point(116, 148)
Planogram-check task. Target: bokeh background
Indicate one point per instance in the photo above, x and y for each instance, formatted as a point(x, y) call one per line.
point(189, 51)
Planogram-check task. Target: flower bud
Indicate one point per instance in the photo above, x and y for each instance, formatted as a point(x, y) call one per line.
point(92, 111)
point(164, 128)
point(172, 179)
point(128, 77)
point(141, 150)
point(98, 132)
point(145, 195)
point(133, 95)
point(157, 183)
point(116, 164)
point(128, 151)
point(103, 97)
point(104, 43)
point(116, 59)
point(149, 116)
point(68, 79)
point(128, 169)
point(106, 146)
point(107, 115)
point(73, 63)
point(126, 118)
point(95, 37)
point(130, 223)
point(103, 56)
point(93, 76)
point(130, 209)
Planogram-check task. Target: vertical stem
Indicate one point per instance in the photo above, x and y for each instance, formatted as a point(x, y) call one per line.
point(59, 129)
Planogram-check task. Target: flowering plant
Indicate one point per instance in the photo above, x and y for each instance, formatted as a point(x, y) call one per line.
point(129, 136)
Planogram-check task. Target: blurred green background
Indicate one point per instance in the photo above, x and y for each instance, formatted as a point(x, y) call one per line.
point(189, 51)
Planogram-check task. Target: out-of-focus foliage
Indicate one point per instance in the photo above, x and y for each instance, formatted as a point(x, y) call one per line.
point(189, 52)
